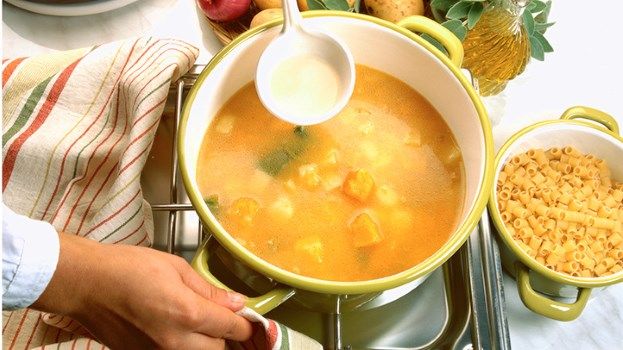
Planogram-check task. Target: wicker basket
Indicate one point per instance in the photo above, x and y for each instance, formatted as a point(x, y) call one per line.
point(228, 31)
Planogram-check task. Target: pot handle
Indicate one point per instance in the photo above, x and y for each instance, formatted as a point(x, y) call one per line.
point(450, 42)
point(261, 304)
point(545, 306)
point(603, 118)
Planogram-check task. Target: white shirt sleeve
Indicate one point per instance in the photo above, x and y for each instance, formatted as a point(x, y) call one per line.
point(30, 251)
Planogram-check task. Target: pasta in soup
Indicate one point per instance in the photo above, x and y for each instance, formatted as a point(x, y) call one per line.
point(370, 193)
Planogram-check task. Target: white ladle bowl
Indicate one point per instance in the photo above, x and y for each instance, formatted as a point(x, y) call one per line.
point(302, 49)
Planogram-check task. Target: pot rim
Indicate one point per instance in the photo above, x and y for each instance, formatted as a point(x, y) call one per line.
point(494, 212)
point(328, 286)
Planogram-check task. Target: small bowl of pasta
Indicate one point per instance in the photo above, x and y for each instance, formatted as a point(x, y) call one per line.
point(558, 207)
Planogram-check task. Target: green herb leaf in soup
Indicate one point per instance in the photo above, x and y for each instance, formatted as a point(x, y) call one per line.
point(212, 203)
point(276, 160)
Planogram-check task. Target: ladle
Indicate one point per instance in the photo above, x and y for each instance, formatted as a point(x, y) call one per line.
point(304, 76)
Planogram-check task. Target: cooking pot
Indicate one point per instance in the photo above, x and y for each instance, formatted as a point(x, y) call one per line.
point(391, 48)
point(601, 140)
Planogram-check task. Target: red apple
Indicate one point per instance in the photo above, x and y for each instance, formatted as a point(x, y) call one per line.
point(224, 10)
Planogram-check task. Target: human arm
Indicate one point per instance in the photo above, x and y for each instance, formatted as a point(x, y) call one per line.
point(134, 297)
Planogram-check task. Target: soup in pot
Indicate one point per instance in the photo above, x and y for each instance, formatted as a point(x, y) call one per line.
point(370, 193)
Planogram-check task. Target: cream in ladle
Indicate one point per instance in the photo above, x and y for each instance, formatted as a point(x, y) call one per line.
point(304, 77)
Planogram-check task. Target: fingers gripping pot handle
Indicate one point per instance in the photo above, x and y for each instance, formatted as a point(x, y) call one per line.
point(261, 304)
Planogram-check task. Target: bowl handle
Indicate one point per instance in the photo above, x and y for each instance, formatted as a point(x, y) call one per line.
point(261, 304)
point(545, 306)
point(444, 36)
point(592, 114)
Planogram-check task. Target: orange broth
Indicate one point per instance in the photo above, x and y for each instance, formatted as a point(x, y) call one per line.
point(369, 193)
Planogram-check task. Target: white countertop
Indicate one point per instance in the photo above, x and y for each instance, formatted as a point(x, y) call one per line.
point(585, 69)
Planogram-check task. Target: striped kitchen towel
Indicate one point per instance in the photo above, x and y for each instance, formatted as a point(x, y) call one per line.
point(271, 335)
point(77, 127)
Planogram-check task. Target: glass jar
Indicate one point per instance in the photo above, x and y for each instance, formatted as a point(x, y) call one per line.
point(497, 49)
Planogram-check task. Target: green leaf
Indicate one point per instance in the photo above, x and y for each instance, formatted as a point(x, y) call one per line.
point(339, 5)
point(542, 17)
point(536, 49)
point(456, 27)
point(474, 14)
point(289, 149)
point(435, 43)
point(542, 27)
point(316, 5)
point(544, 43)
point(459, 10)
point(528, 22)
point(536, 6)
point(442, 5)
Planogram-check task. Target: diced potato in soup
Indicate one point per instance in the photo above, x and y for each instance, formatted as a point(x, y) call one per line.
point(309, 175)
point(311, 247)
point(371, 192)
point(244, 210)
point(225, 125)
point(386, 195)
point(282, 208)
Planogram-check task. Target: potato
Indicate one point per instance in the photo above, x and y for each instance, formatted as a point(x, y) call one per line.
point(312, 246)
point(244, 210)
point(386, 195)
point(266, 16)
point(225, 125)
point(282, 208)
point(302, 5)
point(309, 174)
point(394, 10)
point(267, 4)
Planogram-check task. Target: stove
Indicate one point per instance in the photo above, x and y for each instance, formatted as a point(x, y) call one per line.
point(459, 306)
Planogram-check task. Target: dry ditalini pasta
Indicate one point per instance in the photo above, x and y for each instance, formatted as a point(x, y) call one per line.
point(564, 210)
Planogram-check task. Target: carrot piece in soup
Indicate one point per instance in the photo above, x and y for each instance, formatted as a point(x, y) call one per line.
point(365, 231)
point(359, 184)
point(244, 209)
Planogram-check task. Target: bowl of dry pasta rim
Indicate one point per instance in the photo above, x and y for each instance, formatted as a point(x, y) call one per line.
point(416, 63)
point(593, 135)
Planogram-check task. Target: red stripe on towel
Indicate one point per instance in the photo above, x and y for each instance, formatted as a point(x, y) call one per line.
point(11, 156)
point(60, 175)
point(10, 69)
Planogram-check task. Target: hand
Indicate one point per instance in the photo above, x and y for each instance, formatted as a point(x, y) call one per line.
point(135, 298)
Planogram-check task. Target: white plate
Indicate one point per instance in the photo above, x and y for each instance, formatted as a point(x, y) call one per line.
point(78, 9)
